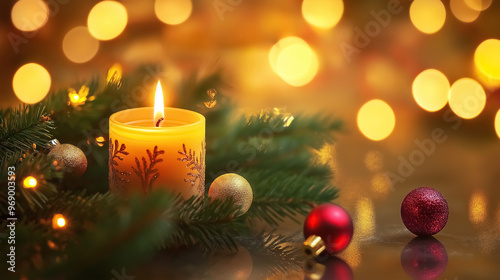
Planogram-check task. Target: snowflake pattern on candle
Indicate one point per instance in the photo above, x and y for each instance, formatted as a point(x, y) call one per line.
point(146, 170)
point(116, 177)
point(196, 179)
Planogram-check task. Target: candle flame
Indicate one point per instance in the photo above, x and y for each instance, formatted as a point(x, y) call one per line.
point(159, 112)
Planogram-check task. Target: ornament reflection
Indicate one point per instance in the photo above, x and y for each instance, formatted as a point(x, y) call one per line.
point(327, 267)
point(424, 258)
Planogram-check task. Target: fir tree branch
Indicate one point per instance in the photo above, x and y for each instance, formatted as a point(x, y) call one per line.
point(41, 168)
point(208, 223)
point(273, 252)
point(23, 128)
point(130, 230)
point(280, 195)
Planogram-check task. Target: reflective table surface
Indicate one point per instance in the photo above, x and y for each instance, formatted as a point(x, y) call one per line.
point(382, 248)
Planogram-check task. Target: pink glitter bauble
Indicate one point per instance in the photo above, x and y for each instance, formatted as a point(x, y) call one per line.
point(424, 211)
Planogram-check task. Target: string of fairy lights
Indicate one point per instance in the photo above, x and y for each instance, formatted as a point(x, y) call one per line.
point(291, 58)
point(58, 220)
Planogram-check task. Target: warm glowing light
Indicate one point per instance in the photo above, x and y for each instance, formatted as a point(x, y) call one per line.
point(294, 61)
point(159, 111)
point(100, 141)
point(115, 74)
point(327, 155)
point(430, 90)
point(61, 222)
point(380, 184)
point(322, 13)
point(352, 254)
point(107, 20)
point(374, 160)
point(427, 16)
point(173, 11)
point(462, 11)
point(467, 98)
point(376, 120)
point(30, 182)
point(497, 123)
point(487, 61)
point(76, 99)
point(280, 46)
point(365, 217)
point(58, 221)
point(31, 83)
point(478, 5)
point(29, 15)
point(79, 46)
point(477, 208)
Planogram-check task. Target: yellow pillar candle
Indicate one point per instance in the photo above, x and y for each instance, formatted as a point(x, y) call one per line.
point(143, 157)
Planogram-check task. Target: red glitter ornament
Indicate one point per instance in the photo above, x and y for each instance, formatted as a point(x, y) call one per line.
point(424, 258)
point(424, 211)
point(333, 224)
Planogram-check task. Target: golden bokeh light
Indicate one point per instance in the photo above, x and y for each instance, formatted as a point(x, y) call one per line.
point(115, 73)
point(427, 16)
point(374, 160)
point(380, 184)
point(467, 98)
point(58, 221)
point(477, 208)
point(462, 11)
point(430, 90)
point(31, 83)
point(324, 14)
point(79, 46)
point(173, 11)
point(294, 61)
point(376, 120)
point(365, 217)
point(487, 61)
point(107, 20)
point(478, 5)
point(100, 141)
point(327, 155)
point(30, 182)
point(29, 15)
point(352, 254)
point(78, 98)
point(497, 123)
point(280, 46)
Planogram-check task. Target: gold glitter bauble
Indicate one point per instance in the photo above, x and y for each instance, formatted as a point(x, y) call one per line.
point(235, 186)
point(72, 159)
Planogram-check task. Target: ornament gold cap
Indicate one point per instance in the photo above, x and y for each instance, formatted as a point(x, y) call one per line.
point(313, 246)
point(314, 270)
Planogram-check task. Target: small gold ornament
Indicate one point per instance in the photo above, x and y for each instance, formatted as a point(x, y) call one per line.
point(72, 158)
point(235, 186)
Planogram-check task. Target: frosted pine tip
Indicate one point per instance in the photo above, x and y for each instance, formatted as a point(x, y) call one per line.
point(159, 122)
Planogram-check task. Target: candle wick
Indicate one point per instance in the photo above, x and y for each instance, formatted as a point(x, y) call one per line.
point(159, 122)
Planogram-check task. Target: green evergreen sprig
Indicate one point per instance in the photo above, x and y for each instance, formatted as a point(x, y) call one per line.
point(40, 167)
point(273, 150)
point(23, 128)
point(281, 194)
